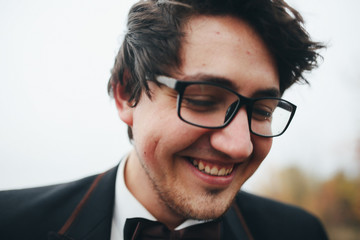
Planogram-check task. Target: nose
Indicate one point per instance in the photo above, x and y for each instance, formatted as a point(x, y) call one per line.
point(234, 140)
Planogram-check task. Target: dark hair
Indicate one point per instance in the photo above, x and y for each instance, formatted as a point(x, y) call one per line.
point(155, 31)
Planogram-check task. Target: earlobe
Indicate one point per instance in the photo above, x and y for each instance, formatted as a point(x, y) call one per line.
point(124, 107)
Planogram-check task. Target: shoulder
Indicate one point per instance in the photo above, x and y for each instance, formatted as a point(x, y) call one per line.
point(31, 210)
point(22, 201)
point(36, 211)
point(269, 219)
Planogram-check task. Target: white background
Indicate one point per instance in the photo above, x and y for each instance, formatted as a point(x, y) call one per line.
point(57, 122)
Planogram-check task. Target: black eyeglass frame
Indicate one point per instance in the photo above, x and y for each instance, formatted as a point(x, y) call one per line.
point(180, 87)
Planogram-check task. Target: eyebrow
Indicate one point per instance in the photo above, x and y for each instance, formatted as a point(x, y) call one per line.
point(267, 92)
point(271, 92)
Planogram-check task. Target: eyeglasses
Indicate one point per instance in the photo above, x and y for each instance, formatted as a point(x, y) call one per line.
point(211, 105)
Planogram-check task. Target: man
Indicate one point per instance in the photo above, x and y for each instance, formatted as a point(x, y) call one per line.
point(199, 84)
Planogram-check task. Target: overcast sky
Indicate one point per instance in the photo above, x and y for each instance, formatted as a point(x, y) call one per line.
point(59, 124)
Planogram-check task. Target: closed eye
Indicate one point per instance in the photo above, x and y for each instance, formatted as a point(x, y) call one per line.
point(200, 103)
point(262, 114)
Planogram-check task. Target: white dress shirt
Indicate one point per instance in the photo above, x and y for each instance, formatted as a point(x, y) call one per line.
point(127, 206)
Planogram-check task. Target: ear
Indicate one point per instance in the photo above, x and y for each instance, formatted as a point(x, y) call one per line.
point(125, 110)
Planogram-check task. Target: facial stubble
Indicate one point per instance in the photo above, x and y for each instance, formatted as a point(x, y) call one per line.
point(208, 204)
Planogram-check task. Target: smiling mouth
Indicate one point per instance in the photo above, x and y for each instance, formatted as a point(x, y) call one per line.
point(212, 169)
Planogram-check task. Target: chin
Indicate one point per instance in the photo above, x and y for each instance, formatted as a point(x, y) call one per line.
point(210, 212)
point(205, 207)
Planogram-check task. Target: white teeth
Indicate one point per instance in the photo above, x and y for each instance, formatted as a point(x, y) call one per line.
point(214, 171)
point(211, 171)
point(201, 166)
point(222, 172)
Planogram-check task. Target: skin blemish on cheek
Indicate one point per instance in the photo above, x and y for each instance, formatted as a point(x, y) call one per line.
point(217, 33)
point(248, 52)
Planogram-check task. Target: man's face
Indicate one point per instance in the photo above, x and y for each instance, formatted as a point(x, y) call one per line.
point(161, 172)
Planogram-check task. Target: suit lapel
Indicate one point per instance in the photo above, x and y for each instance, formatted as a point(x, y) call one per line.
point(91, 220)
point(234, 225)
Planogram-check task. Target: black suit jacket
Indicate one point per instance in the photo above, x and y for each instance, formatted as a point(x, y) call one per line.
point(83, 210)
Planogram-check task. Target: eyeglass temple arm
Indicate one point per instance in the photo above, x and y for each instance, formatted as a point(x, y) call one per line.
point(167, 81)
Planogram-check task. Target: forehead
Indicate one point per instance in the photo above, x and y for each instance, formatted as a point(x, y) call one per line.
point(229, 48)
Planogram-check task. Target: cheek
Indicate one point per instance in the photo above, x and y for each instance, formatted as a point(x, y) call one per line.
point(262, 147)
point(265, 146)
point(174, 138)
point(158, 132)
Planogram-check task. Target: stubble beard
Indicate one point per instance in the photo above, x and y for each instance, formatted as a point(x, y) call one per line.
point(204, 207)
point(210, 204)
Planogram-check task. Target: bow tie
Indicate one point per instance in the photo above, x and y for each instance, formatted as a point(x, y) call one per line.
point(139, 228)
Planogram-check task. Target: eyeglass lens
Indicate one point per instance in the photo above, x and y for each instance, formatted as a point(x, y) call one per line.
point(213, 106)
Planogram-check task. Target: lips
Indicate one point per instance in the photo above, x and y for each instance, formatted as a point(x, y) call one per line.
point(212, 169)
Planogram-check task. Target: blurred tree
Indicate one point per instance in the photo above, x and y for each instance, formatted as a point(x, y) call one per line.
point(336, 201)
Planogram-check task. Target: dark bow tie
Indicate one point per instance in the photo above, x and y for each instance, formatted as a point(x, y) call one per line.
point(139, 228)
